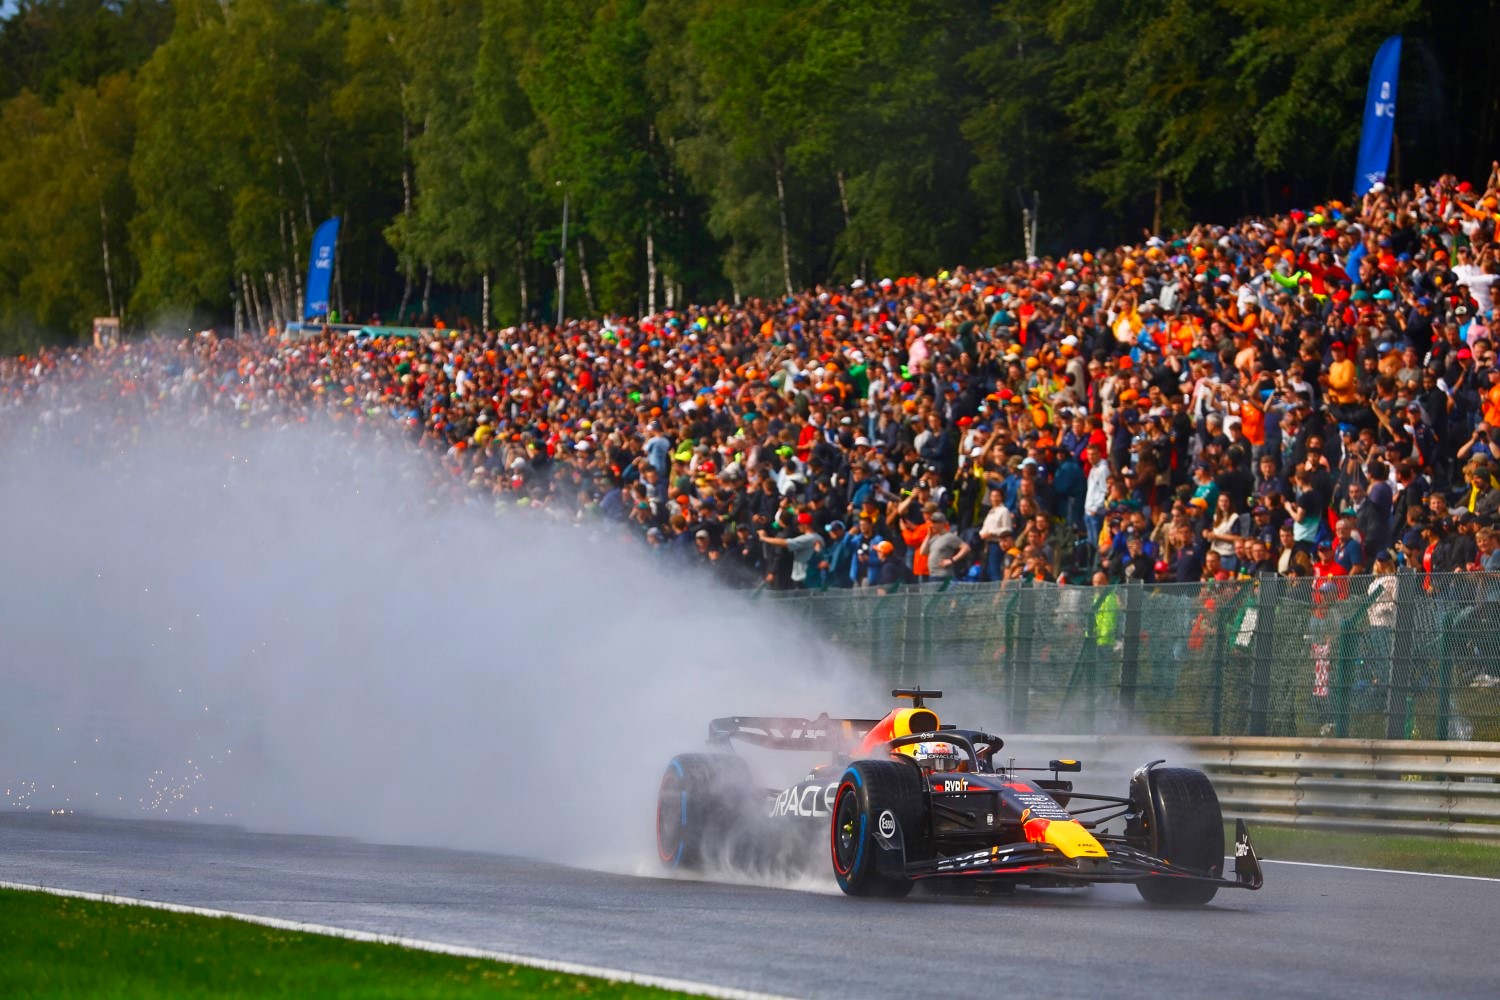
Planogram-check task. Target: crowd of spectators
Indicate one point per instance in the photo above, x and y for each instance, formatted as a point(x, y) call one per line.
point(1308, 394)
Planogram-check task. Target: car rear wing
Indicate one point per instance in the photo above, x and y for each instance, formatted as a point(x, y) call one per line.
point(790, 733)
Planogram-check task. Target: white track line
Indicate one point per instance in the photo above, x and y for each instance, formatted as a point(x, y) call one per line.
point(546, 964)
point(1387, 871)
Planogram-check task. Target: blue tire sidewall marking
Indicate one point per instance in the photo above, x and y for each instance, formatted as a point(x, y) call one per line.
point(863, 819)
point(860, 855)
point(682, 826)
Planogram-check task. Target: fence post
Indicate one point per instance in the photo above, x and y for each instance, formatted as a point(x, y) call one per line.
point(1267, 597)
point(1026, 627)
point(1408, 593)
point(1010, 655)
point(927, 616)
point(1086, 671)
point(1130, 654)
point(1445, 673)
point(1221, 641)
point(1344, 660)
point(906, 627)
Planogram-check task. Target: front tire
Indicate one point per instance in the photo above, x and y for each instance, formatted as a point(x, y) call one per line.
point(872, 793)
point(704, 799)
point(1186, 828)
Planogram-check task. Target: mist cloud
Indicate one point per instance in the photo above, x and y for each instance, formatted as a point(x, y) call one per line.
point(285, 630)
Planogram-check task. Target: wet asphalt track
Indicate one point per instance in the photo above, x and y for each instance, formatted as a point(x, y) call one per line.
point(1312, 932)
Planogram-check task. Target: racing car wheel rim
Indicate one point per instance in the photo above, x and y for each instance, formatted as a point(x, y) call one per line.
point(845, 835)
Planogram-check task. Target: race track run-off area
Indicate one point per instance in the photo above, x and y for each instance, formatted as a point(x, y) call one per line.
point(1311, 932)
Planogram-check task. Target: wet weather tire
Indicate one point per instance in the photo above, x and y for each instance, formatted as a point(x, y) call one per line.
point(872, 792)
point(1187, 828)
point(704, 800)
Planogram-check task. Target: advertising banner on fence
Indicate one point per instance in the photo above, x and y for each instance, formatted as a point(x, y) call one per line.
point(320, 268)
point(1380, 118)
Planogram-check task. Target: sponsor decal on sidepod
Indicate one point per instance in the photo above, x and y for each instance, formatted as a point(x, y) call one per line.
point(805, 800)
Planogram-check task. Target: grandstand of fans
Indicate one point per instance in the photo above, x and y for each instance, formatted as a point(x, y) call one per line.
point(1309, 394)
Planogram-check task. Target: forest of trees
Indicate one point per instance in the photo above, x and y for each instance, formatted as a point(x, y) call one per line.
point(159, 159)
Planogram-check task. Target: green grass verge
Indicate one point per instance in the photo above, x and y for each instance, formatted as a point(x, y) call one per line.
point(55, 946)
point(1419, 854)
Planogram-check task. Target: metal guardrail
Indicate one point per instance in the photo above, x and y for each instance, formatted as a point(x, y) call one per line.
point(1423, 788)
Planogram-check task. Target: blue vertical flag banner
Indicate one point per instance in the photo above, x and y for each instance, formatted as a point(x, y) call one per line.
point(1380, 117)
point(320, 268)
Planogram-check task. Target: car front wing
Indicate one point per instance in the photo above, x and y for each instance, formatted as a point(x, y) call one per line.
point(1042, 862)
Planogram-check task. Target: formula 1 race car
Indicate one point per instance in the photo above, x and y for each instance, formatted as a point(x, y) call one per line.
point(905, 799)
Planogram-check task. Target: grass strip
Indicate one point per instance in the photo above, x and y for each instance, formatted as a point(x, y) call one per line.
point(1418, 854)
point(56, 946)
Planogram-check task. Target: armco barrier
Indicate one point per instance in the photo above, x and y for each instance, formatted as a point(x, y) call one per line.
point(1425, 788)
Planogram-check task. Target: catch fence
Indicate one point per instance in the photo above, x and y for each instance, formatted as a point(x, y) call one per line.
point(1408, 656)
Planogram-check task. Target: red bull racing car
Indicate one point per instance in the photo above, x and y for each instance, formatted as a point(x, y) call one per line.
point(906, 798)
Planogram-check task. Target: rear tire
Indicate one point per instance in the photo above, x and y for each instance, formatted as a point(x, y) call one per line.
point(869, 791)
point(1186, 827)
point(704, 800)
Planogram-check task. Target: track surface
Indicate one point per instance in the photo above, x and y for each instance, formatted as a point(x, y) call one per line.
point(1312, 932)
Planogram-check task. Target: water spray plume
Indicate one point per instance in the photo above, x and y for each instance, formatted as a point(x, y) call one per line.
point(285, 631)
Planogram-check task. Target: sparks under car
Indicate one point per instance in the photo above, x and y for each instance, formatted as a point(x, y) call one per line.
point(905, 799)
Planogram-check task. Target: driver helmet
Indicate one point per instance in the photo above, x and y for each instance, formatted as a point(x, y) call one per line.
point(939, 756)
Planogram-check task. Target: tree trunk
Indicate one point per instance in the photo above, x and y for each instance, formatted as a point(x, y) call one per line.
point(484, 316)
point(291, 291)
point(274, 301)
point(427, 294)
point(843, 198)
point(247, 287)
point(405, 203)
point(338, 269)
point(302, 183)
point(650, 271)
point(1156, 215)
point(288, 248)
point(109, 281)
point(786, 237)
point(588, 285)
point(521, 280)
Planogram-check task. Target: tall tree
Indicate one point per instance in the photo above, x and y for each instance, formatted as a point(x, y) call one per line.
point(62, 232)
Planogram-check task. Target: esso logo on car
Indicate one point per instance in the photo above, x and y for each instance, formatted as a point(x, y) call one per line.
point(887, 824)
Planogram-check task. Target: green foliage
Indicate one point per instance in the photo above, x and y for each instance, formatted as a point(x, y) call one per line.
point(47, 44)
point(1371, 850)
point(67, 163)
point(60, 946)
point(704, 147)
